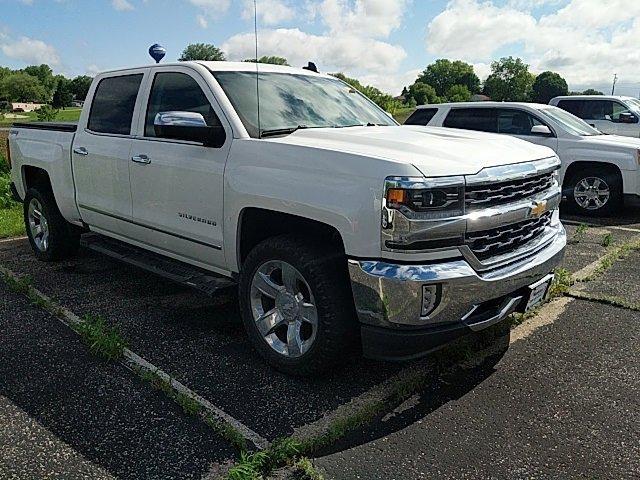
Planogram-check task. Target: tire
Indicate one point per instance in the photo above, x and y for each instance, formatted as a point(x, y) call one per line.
point(582, 190)
point(50, 235)
point(321, 279)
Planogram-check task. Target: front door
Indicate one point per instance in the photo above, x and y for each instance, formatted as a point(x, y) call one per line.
point(177, 185)
point(101, 152)
point(519, 123)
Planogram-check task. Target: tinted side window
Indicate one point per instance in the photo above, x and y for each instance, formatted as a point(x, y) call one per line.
point(575, 107)
point(177, 92)
point(618, 109)
point(515, 122)
point(480, 119)
point(422, 116)
point(598, 110)
point(113, 104)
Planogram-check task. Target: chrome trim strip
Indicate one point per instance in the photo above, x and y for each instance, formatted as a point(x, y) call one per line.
point(138, 224)
point(516, 171)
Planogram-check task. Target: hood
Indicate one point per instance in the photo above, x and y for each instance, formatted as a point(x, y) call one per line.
point(613, 141)
point(435, 151)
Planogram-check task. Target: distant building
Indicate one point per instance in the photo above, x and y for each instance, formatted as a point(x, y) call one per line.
point(77, 103)
point(480, 98)
point(25, 106)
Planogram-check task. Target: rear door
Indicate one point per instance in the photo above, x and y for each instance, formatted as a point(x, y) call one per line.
point(177, 190)
point(101, 152)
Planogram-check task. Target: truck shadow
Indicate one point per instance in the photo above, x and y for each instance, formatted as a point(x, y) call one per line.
point(450, 379)
point(629, 215)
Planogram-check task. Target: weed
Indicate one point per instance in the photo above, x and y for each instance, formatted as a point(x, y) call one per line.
point(581, 231)
point(562, 282)
point(607, 240)
point(18, 284)
point(102, 339)
point(304, 470)
point(228, 432)
point(607, 300)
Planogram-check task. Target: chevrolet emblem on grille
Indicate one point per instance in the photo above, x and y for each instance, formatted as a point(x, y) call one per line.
point(538, 208)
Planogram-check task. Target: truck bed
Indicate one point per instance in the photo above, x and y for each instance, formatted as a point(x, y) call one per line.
point(55, 126)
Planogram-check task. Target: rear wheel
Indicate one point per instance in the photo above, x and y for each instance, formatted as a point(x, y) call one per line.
point(296, 305)
point(594, 191)
point(50, 235)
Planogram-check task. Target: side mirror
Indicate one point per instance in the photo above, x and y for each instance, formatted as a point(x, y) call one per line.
point(541, 131)
point(189, 126)
point(627, 117)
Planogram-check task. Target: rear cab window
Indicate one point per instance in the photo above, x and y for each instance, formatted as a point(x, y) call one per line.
point(113, 104)
point(478, 119)
point(421, 116)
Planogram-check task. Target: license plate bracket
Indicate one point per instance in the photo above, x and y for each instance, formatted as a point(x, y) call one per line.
point(538, 292)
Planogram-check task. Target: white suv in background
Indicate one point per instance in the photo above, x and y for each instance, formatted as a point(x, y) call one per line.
point(598, 170)
point(610, 115)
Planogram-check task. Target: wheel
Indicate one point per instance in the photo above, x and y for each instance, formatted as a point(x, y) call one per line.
point(50, 235)
point(594, 191)
point(297, 306)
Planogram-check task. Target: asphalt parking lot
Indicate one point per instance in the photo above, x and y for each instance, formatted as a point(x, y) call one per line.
point(554, 397)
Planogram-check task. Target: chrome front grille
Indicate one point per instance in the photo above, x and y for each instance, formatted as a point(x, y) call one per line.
point(489, 243)
point(482, 196)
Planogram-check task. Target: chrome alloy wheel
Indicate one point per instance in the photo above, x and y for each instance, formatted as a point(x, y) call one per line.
point(38, 225)
point(592, 193)
point(283, 308)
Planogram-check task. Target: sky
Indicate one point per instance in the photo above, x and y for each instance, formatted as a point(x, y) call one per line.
point(385, 43)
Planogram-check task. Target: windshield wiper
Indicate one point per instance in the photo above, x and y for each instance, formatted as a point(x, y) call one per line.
point(281, 131)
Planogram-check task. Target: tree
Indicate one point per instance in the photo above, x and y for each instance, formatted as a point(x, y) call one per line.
point(510, 81)
point(458, 93)
point(422, 94)
point(273, 60)
point(444, 74)
point(591, 91)
point(45, 76)
point(46, 113)
point(202, 51)
point(383, 100)
point(547, 86)
point(80, 86)
point(63, 96)
point(22, 87)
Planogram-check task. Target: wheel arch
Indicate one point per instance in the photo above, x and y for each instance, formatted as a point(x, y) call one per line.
point(257, 224)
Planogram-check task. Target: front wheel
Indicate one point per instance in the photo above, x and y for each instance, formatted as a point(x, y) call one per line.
point(594, 191)
point(297, 306)
point(50, 235)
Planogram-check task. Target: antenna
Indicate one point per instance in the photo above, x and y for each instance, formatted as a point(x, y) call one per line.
point(255, 31)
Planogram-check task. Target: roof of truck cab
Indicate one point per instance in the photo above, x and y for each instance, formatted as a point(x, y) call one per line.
point(226, 66)
point(594, 97)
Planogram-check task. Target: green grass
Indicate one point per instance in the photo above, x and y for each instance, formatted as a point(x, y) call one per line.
point(102, 339)
point(68, 115)
point(402, 114)
point(11, 221)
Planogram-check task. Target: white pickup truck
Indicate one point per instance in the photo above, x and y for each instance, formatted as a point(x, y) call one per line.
point(339, 226)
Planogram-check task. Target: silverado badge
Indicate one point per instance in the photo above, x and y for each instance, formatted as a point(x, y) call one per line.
point(538, 208)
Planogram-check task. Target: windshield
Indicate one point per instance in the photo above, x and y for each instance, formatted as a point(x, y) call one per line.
point(569, 122)
point(634, 103)
point(290, 101)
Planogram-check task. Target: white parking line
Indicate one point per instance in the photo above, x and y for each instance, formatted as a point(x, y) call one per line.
point(135, 362)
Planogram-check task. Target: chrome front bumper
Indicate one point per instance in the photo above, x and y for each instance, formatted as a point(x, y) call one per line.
point(389, 296)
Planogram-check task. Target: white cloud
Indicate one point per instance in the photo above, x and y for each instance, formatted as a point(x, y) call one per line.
point(370, 18)
point(202, 21)
point(346, 53)
point(270, 12)
point(93, 70)
point(32, 51)
point(121, 5)
point(583, 40)
point(209, 10)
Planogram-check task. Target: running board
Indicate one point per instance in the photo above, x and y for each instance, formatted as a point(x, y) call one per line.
point(174, 270)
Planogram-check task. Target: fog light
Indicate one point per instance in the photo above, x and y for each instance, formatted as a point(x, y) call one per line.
point(430, 299)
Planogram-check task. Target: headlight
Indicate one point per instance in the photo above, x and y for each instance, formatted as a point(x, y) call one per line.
point(428, 198)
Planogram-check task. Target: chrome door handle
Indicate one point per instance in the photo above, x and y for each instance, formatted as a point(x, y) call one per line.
point(141, 159)
point(81, 151)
